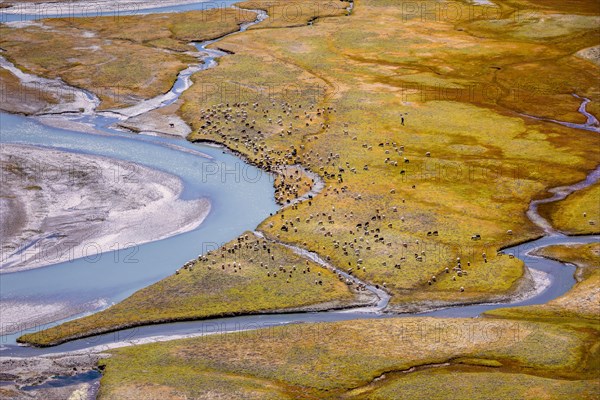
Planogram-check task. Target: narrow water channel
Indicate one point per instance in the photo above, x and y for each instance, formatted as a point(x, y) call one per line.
point(238, 204)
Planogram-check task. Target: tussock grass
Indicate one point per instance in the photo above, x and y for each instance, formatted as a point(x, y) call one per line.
point(343, 360)
point(240, 278)
point(486, 162)
point(122, 60)
point(578, 214)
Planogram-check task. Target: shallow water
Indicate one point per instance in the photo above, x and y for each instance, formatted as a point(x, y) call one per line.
point(207, 59)
point(238, 204)
point(561, 276)
point(241, 196)
point(62, 381)
point(63, 10)
point(591, 123)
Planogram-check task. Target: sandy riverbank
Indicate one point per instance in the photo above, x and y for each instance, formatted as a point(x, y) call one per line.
point(532, 284)
point(58, 206)
point(162, 121)
point(36, 95)
point(125, 7)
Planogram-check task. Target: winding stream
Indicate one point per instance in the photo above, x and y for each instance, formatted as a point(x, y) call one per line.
point(238, 205)
point(558, 276)
point(208, 60)
point(31, 12)
point(241, 197)
point(591, 123)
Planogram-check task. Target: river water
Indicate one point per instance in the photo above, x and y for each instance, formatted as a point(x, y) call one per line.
point(94, 9)
point(241, 198)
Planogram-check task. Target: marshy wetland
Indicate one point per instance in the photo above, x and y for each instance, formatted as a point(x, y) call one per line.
point(384, 192)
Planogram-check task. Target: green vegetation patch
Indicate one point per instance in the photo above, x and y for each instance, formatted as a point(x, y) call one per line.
point(96, 53)
point(350, 359)
point(248, 275)
point(402, 203)
point(578, 214)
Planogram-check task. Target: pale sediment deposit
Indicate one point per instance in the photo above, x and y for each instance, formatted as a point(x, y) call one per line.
point(66, 8)
point(591, 53)
point(32, 94)
point(58, 206)
point(162, 121)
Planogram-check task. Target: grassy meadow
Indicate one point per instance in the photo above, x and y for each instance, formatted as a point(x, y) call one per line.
point(246, 276)
point(537, 352)
point(428, 161)
point(382, 359)
point(578, 214)
point(419, 126)
point(403, 202)
point(95, 53)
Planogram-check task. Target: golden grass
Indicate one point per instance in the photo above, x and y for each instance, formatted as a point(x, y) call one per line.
point(552, 358)
point(549, 352)
point(486, 162)
point(343, 360)
point(578, 214)
point(257, 276)
point(580, 304)
point(97, 54)
point(331, 97)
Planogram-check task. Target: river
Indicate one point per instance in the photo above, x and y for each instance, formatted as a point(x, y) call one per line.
point(238, 204)
point(241, 197)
